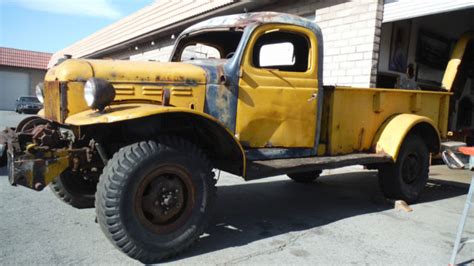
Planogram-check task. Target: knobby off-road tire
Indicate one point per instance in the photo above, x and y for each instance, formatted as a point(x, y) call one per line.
point(3, 158)
point(154, 198)
point(406, 178)
point(305, 177)
point(74, 190)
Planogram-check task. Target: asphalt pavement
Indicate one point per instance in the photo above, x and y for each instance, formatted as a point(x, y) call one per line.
point(340, 219)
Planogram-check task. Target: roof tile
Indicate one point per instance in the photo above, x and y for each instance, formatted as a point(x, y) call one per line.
point(24, 58)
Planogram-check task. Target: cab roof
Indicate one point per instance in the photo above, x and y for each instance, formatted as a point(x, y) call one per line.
point(243, 20)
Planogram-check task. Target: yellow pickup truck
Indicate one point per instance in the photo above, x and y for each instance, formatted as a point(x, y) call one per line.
point(242, 94)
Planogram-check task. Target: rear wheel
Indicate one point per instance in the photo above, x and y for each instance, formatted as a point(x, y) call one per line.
point(3, 157)
point(74, 190)
point(406, 178)
point(154, 198)
point(305, 177)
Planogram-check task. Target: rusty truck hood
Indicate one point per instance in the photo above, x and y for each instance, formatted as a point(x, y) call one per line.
point(127, 71)
point(134, 81)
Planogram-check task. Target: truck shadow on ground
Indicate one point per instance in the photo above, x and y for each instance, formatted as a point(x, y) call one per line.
point(253, 211)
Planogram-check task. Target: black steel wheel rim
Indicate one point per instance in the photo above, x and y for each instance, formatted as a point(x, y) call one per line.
point(164, 199)
point(411, 168)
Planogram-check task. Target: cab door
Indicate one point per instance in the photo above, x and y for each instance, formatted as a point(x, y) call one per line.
point(278, 86)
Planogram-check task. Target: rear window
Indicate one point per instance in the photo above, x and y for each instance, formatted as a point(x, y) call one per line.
point(285, 51)
point(277, 54)
point(200, 51)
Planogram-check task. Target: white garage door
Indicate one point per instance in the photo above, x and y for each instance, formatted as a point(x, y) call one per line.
point(12, 85)
point(395, 10)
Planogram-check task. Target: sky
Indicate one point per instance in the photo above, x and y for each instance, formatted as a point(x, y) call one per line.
point(51, 25)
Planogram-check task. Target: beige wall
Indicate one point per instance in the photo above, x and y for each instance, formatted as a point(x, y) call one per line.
point(160, 51)
point(156, 15)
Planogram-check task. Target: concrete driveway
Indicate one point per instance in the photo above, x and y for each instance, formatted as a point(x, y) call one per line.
point(340, 219)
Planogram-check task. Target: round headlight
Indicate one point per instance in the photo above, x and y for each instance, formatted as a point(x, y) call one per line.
point(39, 92)
point(98, 93)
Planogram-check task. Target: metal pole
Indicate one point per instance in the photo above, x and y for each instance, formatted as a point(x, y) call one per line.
point(462, 223)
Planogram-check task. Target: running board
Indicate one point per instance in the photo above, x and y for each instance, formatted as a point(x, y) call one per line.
point(267, 168)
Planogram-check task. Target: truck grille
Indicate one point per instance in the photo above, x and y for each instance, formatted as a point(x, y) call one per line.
point(52, 100)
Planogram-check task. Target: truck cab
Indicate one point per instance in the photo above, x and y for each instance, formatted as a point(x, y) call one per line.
point(266, 81)
point(242, 94)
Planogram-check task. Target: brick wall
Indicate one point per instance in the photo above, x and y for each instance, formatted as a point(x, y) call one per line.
point(351, 33)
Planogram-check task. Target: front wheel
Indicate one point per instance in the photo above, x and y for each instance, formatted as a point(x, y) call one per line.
point(154, 198)
point(406, 178)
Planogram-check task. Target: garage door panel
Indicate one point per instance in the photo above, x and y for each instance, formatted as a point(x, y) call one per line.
point(395, 10)
point(12, 86)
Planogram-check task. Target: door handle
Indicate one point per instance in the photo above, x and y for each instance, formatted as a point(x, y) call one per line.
point(314, 96)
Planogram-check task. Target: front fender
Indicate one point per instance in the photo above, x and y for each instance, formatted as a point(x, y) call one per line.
point(392, 133)
point(130, 111)
point(122, 112)
point(41, 113)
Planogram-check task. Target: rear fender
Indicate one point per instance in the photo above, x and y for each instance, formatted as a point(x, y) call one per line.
point(393, 132)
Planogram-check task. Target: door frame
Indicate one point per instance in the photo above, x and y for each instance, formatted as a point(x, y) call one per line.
point(281, 153)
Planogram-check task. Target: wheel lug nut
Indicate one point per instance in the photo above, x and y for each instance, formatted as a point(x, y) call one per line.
point(176, 191)
point(156, 203)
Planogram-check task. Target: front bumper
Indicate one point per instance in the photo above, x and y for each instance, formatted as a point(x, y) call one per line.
point(34, 166)
point(36, 171)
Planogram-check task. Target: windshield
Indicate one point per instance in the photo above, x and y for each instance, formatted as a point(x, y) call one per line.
point(207, 45)
point(29, 99)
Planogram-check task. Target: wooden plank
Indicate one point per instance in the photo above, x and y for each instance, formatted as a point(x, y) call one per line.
point(260, 169)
